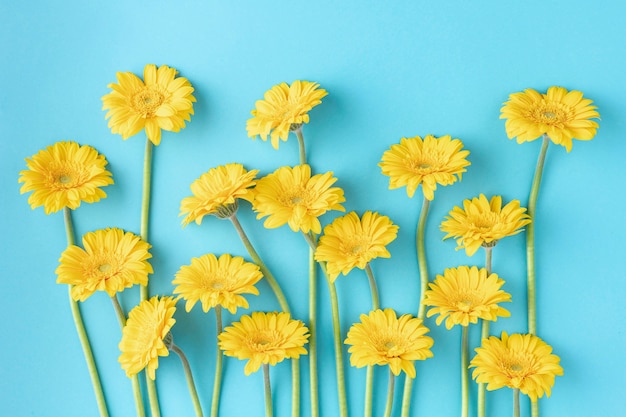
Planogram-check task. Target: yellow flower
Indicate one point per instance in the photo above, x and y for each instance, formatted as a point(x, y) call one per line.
point(521, 361)
point(111, 261)
point(560, 114)
point(64, 175)
point(264, 338)
point(216, 281)
point(292, 196)
point(143, 337)
point(350, 242)
point(384, 339)
point(428, 162)
point(160, 101)
point(482, 223)
point(284, 108)
point(464, 295)
point(216, 190)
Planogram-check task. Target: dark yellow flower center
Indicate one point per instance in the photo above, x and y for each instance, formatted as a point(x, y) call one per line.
point(65, 179)
point(553, 114)
point(217, 285)
point(104, 268)
point(516, 367)
point(147, 101)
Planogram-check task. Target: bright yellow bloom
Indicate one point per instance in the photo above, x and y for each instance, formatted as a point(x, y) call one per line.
point(482, 223)
point(216, 281)
point(350, 241)
point(216, 190)
point(64, 175)
point(560, 114)
point(464, 295)
point(160, 101)
point(292, 196)
point(111, 261)
point(284, 108)
point(428, 162)
point(384, 339)
point(264, 338)
point(521, 361)
point(143, 336)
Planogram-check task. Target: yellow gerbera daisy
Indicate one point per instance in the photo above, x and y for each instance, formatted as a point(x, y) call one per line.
point(428, 162)
point(522, 361)
point(284, 108)
point(216, 190)
point(159, 101)
point(64, 175)
point(381, 338)
point(350, 241)
point(264, 338)
point(216, 281)
point(292, 196)
point(483, 222)
point(464, 295)
point(560, 114)
point(144, 336)
point(111, 261)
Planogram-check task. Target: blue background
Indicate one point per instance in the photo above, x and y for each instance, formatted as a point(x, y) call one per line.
point(392, 70)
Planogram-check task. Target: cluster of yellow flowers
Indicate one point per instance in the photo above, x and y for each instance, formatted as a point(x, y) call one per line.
point(111, 260)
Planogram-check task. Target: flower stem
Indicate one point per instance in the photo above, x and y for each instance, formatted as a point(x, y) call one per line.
point(516, 410)
point(269, 411)
point(530, 237)
point(389, 405)
point(189, 377)
point(301, 146)
point(369, 376)
point(423, 268)
point(313, 332)
point(217, 382)
point(464, 372)
point(484, 334)
point(80, 327)
point(282, 300)
point(134, 380)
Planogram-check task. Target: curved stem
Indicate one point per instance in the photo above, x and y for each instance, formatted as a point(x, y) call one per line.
point(269, 411)
point(389, 405)
point(369, 376)
point(373, 287)
point(313, 332)
point(189, 377)
point(464, 372)
point(423, 268)
point(80, 327)
point(484, 334)
point(134, 380)
point(217, 382)
point(301, 146)
point(516, 412)
point(530, 237)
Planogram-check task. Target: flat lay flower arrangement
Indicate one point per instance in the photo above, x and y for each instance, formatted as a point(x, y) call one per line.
point(463, 298)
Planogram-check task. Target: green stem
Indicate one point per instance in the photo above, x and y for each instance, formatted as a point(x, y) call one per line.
point(369, 376)
point(373, 287)
point(80, 327)
point(189, 377)
point(301, 146)
point(269, 411)
point(389, 405)
point(313, 332)
point(121, 318)
point(464, 372)
point(217, 382)
point(484, 334)
point(516, 410)
point(423, 269)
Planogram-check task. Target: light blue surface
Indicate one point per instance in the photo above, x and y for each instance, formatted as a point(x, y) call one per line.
point(392, 69)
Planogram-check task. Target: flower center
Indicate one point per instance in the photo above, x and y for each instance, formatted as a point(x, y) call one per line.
point(65, 179)
point(390, 345)
point(147, 101)
point(516, 367)
point(217, 285)
point(104, 268)
point(296, 200)
point(549, 115)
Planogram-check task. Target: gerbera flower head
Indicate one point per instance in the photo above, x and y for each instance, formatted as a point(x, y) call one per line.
point(483, 222)
point(264, 338)
point(161, 101)
point(216, 192)
point(64, 175)
point(284, 108)
point(429, 161)
point(562, 115)
point(350, 241)
point(522, 361)
point(145, 336)
point(381, 338)
point(217, 281)
point(292, 196)
point(465, 294)
point(111, 261)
